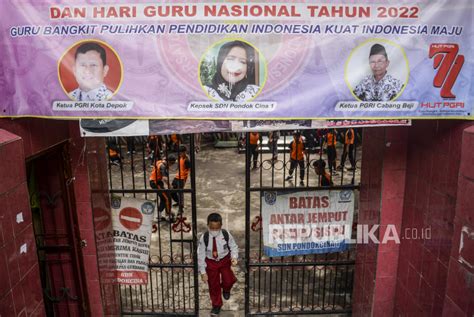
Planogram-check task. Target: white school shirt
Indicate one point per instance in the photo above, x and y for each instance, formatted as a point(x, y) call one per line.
point(222, 250)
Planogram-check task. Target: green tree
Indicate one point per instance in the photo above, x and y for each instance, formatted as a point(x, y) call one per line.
point(208, 69)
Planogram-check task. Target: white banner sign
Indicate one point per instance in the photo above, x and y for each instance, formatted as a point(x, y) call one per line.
point(306, 222)
point(124, 246)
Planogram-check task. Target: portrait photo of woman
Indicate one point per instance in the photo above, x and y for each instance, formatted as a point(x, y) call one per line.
point(234, 75)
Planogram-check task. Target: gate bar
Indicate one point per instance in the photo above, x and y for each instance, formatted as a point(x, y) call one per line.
point(314, 312)
point(295, 189)
point(282, 264)
point(194, 224)
point(247, 224)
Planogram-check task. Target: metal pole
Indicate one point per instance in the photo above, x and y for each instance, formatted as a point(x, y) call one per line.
point(247, 224)
point(194, 224)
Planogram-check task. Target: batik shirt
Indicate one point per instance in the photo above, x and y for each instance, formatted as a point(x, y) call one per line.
point(98, 94)
point(245, 95)
point(385, 89)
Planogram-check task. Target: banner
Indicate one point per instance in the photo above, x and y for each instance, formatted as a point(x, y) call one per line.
point(123, 127)
point(123, 240)
point(306, 222)
point(225, 60)
point(277, 125)
point(368, 123)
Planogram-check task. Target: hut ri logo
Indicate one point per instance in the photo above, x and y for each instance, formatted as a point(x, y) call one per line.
point(345, 195)
point(270, 198)
point(448, 63)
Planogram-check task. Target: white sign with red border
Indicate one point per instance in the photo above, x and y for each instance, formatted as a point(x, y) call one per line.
point(131, 232)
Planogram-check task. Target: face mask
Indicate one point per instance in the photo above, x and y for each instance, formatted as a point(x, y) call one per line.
point(233, 66)
point(214, 233)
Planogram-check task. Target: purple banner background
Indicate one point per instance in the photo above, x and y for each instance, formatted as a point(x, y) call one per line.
point(305, 72)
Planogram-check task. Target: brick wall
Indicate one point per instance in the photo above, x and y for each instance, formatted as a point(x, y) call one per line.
point(459, 299)
point(394, 155)
point(369, 211)
point(100, 198)
point(434, 155)
point(20, 285)
point(82, 193)
point(416, 179)
point(26, 138)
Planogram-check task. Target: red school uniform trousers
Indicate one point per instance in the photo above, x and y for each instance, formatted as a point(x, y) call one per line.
point(219, 276)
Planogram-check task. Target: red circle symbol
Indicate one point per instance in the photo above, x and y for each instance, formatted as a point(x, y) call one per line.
point(101, 219)
point(131, 218)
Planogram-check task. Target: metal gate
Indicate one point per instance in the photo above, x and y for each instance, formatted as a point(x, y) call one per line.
point(293, 285)
point(57, 238)
point(172, 289)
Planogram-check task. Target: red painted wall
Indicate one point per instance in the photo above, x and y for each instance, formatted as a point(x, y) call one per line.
point(369, 211)
point(420, 177)
point(411, 178)
point(391, 209)
point(434, 156)
point(100, 199)
point(20, 287)
point(381, 204)
point(459, 299)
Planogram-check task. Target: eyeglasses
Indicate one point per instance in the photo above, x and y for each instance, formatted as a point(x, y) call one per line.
point(378, 62)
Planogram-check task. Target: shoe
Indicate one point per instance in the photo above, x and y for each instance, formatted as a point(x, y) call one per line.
point(115, 163)
point(339, 168)
point(175, 204)
point(215, 311)
point(172, 218)
point(351, 168)
point(163, 218)
point(226, 295)
point(335, 173)
point(301, 183)
point(289, 177)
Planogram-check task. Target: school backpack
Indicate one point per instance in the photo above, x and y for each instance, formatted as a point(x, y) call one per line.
point(224, 233)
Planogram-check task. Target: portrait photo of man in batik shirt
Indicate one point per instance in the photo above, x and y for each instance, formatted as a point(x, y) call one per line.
point(90, 69)
point(378, 86)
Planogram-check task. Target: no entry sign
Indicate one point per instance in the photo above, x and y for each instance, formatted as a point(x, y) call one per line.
point(131, 218)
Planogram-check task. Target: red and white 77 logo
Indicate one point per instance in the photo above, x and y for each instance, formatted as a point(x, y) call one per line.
point(449, 64)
